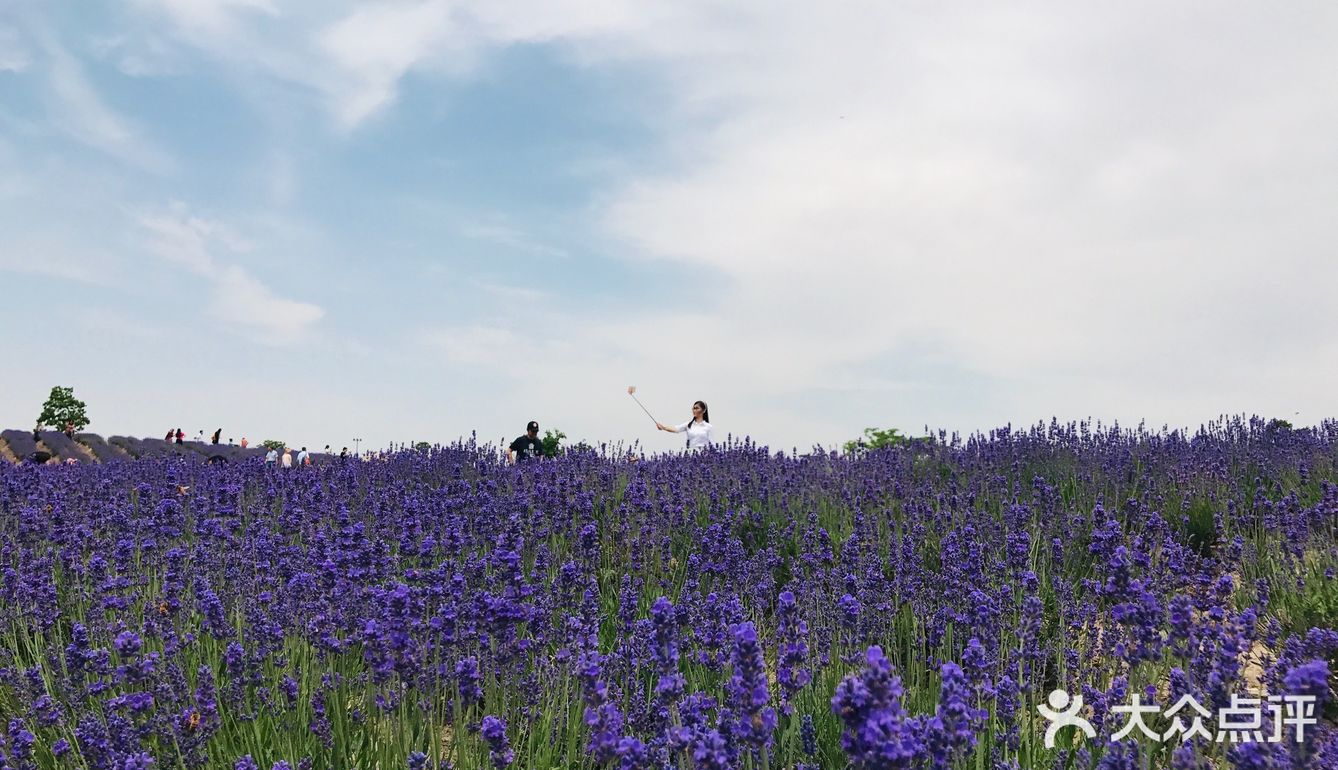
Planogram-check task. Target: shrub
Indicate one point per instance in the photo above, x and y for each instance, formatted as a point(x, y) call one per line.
point(551, 440)
point(875, 438)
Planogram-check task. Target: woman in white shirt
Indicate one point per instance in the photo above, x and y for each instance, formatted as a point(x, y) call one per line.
point(698, 428)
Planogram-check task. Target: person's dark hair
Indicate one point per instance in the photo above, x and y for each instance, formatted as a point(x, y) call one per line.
point(706, 413)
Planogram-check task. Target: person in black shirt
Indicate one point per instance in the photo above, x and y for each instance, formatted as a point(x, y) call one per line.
point(527, 447)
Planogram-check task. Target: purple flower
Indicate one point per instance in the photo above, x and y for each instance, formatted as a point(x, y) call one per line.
point(952, 730)
point(602, 716)
point(1120, 755)
point(493, 730)
point(136, 761)
point(791, 673)
point(633, 755)
point(849, 608)
point(808, 736)
point(21, 745)
point(710, 751)
point(1257, 756)
point(664, 651)
point(467, 679)
point(1311, 679)
point(128, 644)
point(976, 664)
point(747, 687)
point(878, 733)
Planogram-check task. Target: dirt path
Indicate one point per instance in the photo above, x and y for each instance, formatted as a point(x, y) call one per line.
point(85, 453)
point(6, 453)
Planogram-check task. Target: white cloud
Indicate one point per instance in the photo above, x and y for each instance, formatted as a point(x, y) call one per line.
point(80, 111)
point(181, 237)
point(374, 46)
point(1084, 215)
point(509, 293)
point(14, 54)
point(145, 55)
point(503, 234)
point(241, 300)
point(210, 17)
point(354, 55)
point(52, 259)
point(1115, 210)
point(110, 324)
point(474, 345)
point(237, 297)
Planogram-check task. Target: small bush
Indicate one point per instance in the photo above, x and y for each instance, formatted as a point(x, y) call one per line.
point(875, 438)
point(551, 442)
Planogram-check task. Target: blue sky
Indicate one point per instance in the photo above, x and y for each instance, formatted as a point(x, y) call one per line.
point(413, 220)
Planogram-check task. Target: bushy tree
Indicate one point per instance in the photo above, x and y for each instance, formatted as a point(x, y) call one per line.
point(551, 440)
point(875, 438)
point(274, 444)
point(62, 407)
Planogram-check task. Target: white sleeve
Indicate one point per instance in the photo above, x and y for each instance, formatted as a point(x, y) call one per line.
point(683, 427)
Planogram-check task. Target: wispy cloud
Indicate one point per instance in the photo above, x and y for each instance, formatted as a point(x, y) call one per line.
point(355, 55)
point(211, 17)
point(241, 300)
point(373, 47)
point(143, 55)
point(51, 259)
point(14, 54)
point(507, 292)
point(80, 111)
point(238, 298)
point(511, 237)
point(181, 237)
point(105, 322)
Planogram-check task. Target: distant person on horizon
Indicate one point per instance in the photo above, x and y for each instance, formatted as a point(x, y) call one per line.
point(698, 428)
point(287, 460)
point(527, 447)
point(303, 458)
point(170, 435)
point(244, 442)
point(69, 429)
point(181, 435)
point(214, 439)
point(343, 455)
point(272, 456)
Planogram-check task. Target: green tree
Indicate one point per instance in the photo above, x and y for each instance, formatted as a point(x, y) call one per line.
point(550, 442)
point(62, 407)
point(875, 438)
point(274, 444)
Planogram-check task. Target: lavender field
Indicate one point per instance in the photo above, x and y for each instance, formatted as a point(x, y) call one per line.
point(742, 608)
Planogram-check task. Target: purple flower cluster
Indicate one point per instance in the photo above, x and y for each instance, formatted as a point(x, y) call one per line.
point(732, 609)
point(878, 731)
